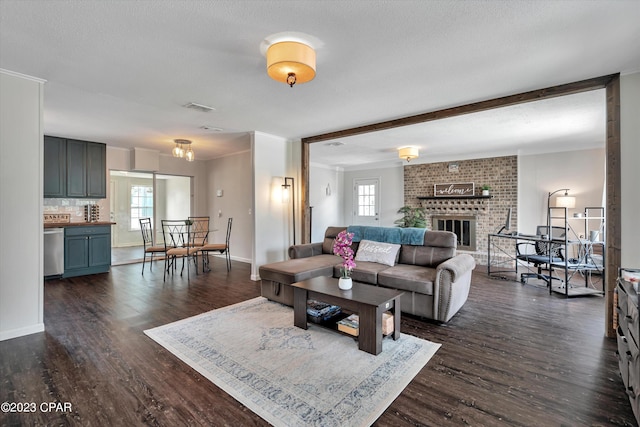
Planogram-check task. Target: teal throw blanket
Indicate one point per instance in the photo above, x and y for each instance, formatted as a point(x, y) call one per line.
point(400, 236)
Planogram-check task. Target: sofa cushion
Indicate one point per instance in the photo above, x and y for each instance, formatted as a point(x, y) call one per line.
point(296, 270)
point(439, 246)
point(412, 278)
point(365, 272)
point(329, 237)
point(382, 253)
point(424, 256)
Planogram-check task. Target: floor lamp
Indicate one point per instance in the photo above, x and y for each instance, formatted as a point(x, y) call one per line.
point(288, 192)
point(564, 201)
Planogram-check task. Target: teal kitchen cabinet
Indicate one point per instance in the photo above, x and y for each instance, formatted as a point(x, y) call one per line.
point(55, 167)
point(74, 168)
point(96, 161)
point(86, 169)
point(87, 250)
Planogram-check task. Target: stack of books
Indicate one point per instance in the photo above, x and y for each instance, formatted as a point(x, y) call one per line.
point(350, 325)
point(318, 311)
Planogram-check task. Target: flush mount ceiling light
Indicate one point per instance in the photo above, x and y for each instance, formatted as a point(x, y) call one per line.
point(408, 153)
point(180, 152)
point(291, 62)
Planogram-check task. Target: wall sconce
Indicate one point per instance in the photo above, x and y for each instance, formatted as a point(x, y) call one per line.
point(327, 190)
point(288, 193)
point(180, 152)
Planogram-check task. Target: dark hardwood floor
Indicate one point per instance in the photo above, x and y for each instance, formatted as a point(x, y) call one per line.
point(513, 356)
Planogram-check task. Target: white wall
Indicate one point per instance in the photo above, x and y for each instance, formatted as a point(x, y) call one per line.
point(233, 176)
point(178, 197)
point(583, 172)
point(630, 165)
point(328, 209)
point(271, 223)
point(21, 175)
point(391, 193)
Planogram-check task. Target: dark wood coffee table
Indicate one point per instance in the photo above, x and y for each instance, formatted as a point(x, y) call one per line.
point(368, 301)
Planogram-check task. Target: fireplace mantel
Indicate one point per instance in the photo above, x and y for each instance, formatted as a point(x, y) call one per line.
point(453, 197)
point(454, 205)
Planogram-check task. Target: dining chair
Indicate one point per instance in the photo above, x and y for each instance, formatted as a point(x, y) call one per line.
point(199, 230)
point(177, 239)
point(150, 248)
point(222, 248)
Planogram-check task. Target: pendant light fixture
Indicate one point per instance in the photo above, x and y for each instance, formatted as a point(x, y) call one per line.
point(180, 151)
point(291, 62)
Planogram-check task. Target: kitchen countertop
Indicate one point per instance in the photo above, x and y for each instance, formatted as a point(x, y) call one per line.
point(75, 224)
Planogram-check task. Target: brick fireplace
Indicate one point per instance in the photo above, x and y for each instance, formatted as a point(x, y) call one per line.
point(487, 214)
point(463, 226)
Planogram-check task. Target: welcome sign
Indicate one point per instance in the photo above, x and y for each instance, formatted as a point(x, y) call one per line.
point(454, 190)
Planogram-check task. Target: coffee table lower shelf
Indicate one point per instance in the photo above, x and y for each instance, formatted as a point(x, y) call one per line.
point(368, 301)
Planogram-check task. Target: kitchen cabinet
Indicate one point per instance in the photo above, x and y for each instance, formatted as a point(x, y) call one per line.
point(81, 165)
point(76, 168)
point(96, 160)
point(55, 169)
point(87, 250)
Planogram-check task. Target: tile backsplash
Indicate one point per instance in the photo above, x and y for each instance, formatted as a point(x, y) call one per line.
point(75, 207)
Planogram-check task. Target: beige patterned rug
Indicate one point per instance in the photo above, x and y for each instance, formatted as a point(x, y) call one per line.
point(290, 376)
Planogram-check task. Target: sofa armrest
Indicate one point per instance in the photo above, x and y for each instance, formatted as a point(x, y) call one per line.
point(451, 287)
point(305, 250)
point(457, 266)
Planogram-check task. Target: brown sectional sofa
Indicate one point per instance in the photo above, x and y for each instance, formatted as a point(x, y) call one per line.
point(435, 279)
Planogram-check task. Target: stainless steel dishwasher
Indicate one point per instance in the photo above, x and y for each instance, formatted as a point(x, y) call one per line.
point(53, 251)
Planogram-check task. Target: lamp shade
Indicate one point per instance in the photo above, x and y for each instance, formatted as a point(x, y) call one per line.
point(408, 153)
point(291, 62)
point(566, 202)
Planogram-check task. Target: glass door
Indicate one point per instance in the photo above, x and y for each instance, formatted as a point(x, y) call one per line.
point(366, 202)
point(135, 195)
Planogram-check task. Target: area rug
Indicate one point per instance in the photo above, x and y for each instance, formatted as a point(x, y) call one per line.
point(291, 376)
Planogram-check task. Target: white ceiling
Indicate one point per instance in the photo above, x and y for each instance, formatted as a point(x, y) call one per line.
point(120, 72)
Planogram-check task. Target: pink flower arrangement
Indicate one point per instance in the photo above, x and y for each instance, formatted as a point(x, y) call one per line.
point(342, 248)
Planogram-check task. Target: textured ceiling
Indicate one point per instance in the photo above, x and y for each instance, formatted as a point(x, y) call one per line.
point(120, 71)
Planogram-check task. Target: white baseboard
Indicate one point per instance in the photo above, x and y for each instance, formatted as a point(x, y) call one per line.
point(233, 258)
point(20, 332)
point(255, 277)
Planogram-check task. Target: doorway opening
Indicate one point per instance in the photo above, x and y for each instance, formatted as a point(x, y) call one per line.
point(135, 195)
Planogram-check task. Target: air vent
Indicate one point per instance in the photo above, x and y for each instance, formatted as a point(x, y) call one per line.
point(334, 144)
point(211, 128)
point(199, 107)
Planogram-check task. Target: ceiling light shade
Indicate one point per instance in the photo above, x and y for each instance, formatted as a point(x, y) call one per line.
point(177, 151)
point(189, 154)
point(180, 152)
point(291, 62)
point(408, 153)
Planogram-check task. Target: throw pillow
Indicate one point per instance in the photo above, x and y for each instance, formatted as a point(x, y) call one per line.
point(382, 253)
